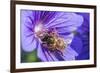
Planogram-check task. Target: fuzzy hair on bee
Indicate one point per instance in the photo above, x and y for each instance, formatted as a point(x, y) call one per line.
point(52, 41)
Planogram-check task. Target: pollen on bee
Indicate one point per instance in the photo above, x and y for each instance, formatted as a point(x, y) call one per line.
point(52, 41)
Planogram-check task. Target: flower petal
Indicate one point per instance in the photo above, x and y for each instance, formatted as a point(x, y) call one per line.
point(69, 54)
point(65, 22)
point(41, 53)
point(68, 39)
point(45, 55)
point(47, 16)
point(28, 41)
point(77, 44)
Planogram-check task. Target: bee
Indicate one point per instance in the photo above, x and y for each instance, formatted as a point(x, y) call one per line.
point(52, 41)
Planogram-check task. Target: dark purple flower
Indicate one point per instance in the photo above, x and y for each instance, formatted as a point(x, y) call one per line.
point(82, 38)
point(50, 33)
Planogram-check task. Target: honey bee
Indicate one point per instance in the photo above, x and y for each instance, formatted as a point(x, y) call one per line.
point(52, 41)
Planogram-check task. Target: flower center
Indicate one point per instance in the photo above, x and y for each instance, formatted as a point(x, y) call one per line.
point(50, 39)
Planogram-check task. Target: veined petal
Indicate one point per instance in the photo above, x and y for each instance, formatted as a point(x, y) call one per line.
point(40, 53)
point(69, 54)
point(48, 16)
point(45, 55)
point(28, 41)
point(65, 22)
point(68, 39)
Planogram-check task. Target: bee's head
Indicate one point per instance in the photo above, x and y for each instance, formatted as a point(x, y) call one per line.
point(48, 39)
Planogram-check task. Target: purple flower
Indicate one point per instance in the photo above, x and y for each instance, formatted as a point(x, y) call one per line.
point(82, 38)
point(50, 33)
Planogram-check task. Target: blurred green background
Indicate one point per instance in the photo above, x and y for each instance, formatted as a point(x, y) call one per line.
point(27, 57)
